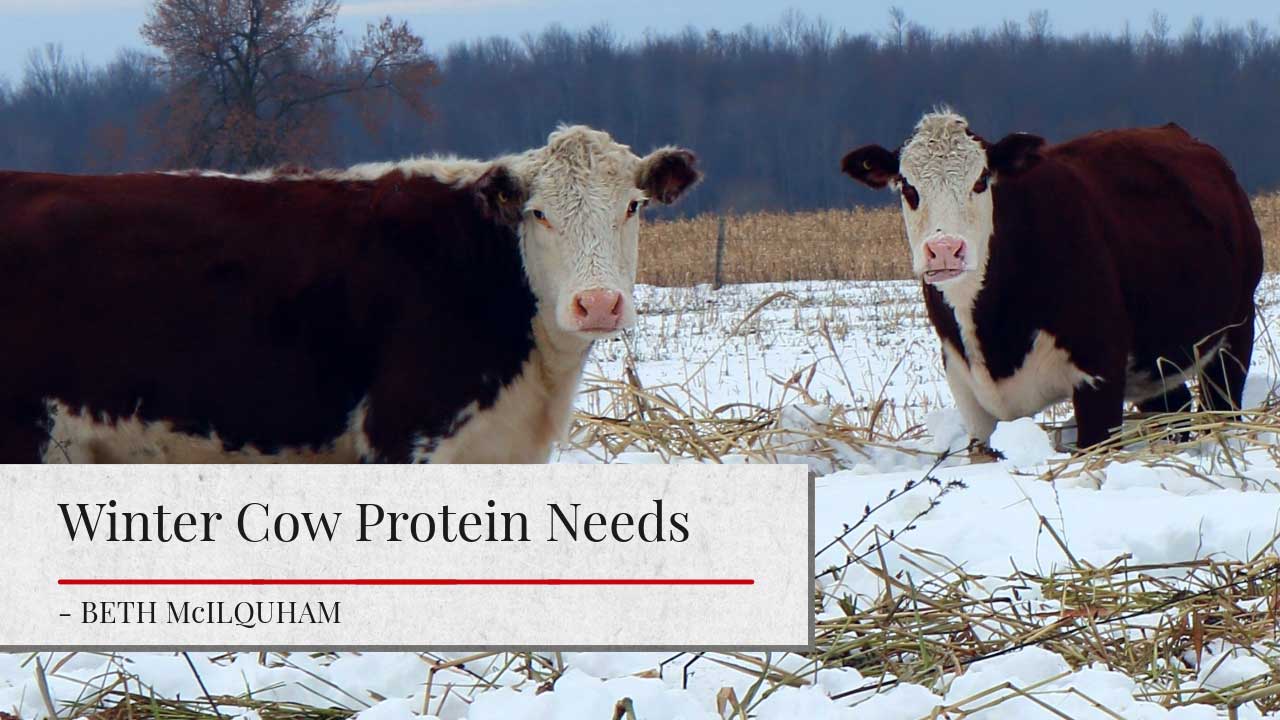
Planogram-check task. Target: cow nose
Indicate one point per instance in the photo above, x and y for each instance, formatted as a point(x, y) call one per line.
point(944, 258)
point(597, 309)
point(945, 249)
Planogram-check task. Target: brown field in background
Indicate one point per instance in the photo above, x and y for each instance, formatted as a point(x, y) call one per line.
point(857, 244)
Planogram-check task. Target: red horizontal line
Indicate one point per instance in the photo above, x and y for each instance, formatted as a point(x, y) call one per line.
point(406, 581)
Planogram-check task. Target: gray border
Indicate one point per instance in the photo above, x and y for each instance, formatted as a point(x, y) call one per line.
point(810, 565)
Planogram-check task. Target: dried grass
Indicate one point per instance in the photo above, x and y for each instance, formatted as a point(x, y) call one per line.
point(672, 422)
point(1207, 445)
point(648, 420)
point(858, 244)
point(1154, 623)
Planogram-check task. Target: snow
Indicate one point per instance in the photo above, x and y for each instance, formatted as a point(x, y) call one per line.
point(579, 695)
point(1023, 443)
point(946, 426)
point(390, 709)
point(695, 346)
point(1232, 668)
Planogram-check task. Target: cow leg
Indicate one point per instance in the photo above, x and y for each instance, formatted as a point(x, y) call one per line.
point(1222, 379)
point(23, 431)
point(977, 420)
point(1174, 399)
point(1099, 410)
point(389, 438)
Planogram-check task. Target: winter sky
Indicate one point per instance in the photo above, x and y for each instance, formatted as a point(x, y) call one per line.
point(95, 29)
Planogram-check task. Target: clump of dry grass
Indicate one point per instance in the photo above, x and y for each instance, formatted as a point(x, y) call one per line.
point(858, 244)
point(1155, 623)
point(120, 705)
point(648, 420)
point(672, 422)
point(1211, 446)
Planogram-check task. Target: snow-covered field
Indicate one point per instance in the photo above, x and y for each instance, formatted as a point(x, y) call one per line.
point(998, 533)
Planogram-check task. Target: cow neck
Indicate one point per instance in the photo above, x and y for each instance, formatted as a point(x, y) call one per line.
point(963, 301)
point(991, 311)
point(556, 364)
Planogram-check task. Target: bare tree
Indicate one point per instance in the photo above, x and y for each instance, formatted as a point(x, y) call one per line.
point(1157, 38)
point(1009, 34)
point(790, 29)
point(1259, 38)
point(50, 76)
point(897, 27)
point(818, 37)
point(1194, 37)
point(253, 79)
point(1039, 26)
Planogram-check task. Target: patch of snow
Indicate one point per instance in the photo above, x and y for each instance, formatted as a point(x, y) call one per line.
point(947, 428)
point(1023, 443)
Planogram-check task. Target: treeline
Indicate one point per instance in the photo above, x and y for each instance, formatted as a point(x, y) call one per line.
point(769, 110)
point(69, 117)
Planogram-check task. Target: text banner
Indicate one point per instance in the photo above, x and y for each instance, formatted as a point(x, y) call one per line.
point(553, 556)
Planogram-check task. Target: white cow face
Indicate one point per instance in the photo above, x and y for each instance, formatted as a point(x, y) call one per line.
point(580, 225)
point(945, 175)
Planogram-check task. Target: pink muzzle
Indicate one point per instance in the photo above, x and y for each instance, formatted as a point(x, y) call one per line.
point(597, 310)
point(944, 258)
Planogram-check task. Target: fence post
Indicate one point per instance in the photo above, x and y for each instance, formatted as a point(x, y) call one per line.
point(719, 277)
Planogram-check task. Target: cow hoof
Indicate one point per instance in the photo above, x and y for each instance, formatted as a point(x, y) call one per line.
point(980, 452)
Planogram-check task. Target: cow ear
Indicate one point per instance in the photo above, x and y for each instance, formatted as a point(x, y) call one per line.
point(1016, 153)
point(501, 195)
point(871, 165)
point(664, 175)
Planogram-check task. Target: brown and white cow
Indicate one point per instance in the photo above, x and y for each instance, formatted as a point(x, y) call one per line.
point(434, 310)
point(1115, 266)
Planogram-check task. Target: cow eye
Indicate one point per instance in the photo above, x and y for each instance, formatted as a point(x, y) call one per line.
point(538, 215)
point(909, 194)
point(984, 181)
point(635, 206)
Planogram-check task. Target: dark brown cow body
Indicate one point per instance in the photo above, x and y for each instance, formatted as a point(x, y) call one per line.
point(1118, 266)
point(262, 312)
point(429, 310)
